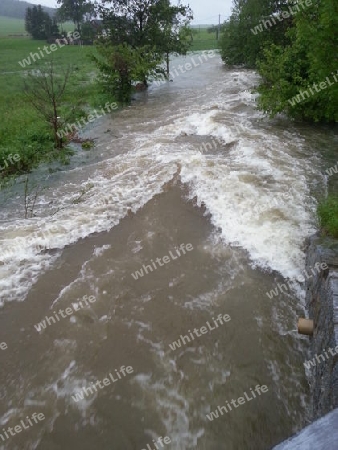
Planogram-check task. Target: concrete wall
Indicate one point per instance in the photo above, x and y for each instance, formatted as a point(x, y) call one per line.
point(322, 304)
point(320, 435)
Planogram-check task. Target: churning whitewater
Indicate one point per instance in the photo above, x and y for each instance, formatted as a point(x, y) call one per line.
point(239, 183)
point(189, 209)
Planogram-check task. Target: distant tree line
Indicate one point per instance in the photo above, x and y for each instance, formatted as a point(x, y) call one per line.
point(293, 45)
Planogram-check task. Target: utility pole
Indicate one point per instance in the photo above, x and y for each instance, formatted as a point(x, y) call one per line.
point(219, 26)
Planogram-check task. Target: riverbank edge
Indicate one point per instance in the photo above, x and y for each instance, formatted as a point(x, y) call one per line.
point(322, 307)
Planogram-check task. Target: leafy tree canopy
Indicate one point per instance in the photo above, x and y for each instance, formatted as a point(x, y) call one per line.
point(301, 79)
point(75, 10)
point(148, 30)
point(294, 47)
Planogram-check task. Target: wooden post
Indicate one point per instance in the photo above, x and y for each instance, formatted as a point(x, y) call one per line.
point(305, 326)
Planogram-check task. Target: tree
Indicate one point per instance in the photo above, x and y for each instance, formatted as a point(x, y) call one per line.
point(149, 29)
point(171, 32)
point(247, 32)
point(301, 79)
point(75, 10)
point(88, 33)
point(38, 23)
point(121, 64)
point(44, 90)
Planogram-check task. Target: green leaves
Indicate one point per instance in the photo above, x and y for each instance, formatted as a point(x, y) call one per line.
point(121, 64)
point(296, 56)
point(137, 37)
point(305, 68)
point(75, 10)
point(252, 27)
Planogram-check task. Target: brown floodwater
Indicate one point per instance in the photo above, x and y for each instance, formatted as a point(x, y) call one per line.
point(189, 162)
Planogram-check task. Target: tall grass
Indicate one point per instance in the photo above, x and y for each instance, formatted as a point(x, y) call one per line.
point(22, 130)
point(328, 215)
point(203, 40)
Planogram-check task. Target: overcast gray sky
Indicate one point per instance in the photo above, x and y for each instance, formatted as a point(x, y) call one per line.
point(205, 11)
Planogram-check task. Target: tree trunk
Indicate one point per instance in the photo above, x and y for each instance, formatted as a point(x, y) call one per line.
point(168, 65)
point(57, 139)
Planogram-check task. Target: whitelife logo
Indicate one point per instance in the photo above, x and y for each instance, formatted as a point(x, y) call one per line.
point(300, 278)
point(42, 235)
point(68, 312)
point(121, 373)
point(283, 15)
point(9, 158)
point(332, 170)
point(31, 58)
point(312, 362)
point(71, 127)
point(204, 330)
point(214, 414)
point(139, 273)
point(186, 67)
point(18, 428)
point(317, 87)
point(166, 440)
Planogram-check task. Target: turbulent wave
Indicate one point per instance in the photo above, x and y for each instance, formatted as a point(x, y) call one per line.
point(241, 181)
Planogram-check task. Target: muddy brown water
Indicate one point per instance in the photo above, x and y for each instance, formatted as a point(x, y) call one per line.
point(150, 186)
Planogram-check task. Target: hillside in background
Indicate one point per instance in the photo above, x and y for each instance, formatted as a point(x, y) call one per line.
point(17, 9)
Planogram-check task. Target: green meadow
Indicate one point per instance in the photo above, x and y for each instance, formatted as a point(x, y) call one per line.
point(22, 130)
point(11, 26)
point(203, 40)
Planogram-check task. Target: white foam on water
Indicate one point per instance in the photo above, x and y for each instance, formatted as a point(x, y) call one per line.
point(236, 191)
point(166, 396)
point(241, 188)
point(120, 186)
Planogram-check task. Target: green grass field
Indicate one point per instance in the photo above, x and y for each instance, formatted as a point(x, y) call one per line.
point(202, 40)
point(11, 26)
point(22, 130)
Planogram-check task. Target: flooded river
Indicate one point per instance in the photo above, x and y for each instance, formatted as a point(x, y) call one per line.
point(186, 214)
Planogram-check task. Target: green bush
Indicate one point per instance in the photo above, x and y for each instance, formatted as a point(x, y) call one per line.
point(328, 215)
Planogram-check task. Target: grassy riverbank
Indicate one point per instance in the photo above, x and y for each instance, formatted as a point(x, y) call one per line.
point(328, 215)
point(22, 130)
